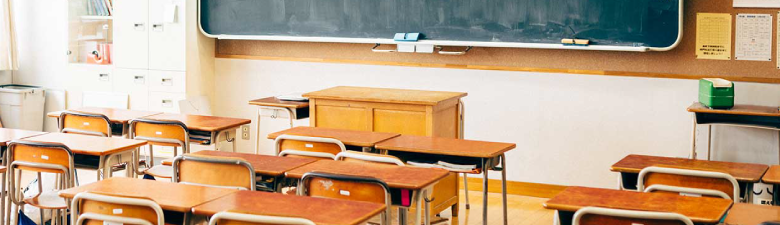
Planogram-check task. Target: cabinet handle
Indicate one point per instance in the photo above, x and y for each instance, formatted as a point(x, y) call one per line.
point(139, 79)
point(167, 103)
point(103, 77)
point(69, 52)
point(166, 82)
point(138, 26)
point(157, 27)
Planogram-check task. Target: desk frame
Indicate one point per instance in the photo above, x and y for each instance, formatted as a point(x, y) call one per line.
point(291, 114)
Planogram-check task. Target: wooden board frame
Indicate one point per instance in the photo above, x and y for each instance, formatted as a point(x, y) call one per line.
point(678, 63)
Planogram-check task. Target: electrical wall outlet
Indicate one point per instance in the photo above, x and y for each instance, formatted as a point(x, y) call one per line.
point(245, 132)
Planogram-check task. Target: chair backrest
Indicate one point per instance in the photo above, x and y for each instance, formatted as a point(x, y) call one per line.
point(214, 171)
point(98, 208)
point(311, 147)
point(161, 132)
point(600, 216)
point(234, 218)
point(85, 123)
point(326, 185)
point(40, 156)
point(698, 192)
point(686, 178)
point(369, 158)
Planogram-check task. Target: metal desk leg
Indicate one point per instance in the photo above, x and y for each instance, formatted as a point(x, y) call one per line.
point(749, 193)
point(503, 186)
point(484, 192)
point(693, 139)
point(709, 141)
point(418, 199)
point(403, 214)
point(257, 131)
point(427, 207)
point(101, 165)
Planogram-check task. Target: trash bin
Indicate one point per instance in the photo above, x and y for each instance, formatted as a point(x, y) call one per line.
point(21, 106)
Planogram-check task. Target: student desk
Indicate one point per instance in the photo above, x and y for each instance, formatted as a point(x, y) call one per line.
point(119, 117)
point(103, 147)
point(170, 196)
point(271, 166)
point(763, 117)
point(272, 107)
point(206, 130)
point(752, 214)
point(699, 210)
point(485, 155)
point(8, 134)
point(322, 211)
point(772, 177)
point(363, 139)
point(399, 178)
point(746, 173)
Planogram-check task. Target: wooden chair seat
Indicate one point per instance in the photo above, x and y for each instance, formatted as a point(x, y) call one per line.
point(160, 171)
point(47, 200)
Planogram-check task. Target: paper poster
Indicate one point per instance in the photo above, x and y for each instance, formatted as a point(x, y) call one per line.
point(713, 36)
point(754, 37)
point(756, 3)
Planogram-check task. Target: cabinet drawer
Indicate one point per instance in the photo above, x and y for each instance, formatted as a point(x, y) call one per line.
point(165, 101)
point(167, 81)
point(93, 78)
point(135, 83)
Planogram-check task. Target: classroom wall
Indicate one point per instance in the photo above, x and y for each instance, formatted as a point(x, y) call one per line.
point(569, 129)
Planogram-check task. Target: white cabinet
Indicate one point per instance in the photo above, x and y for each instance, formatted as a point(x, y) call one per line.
point(167, 35)
point(135, 83)
point(154, 44)
point(131, 34)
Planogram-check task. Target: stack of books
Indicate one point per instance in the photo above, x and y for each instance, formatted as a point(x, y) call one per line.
point(445, 165)
point(100, 8)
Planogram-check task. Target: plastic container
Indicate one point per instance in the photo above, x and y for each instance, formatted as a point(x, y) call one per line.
point(716, 93)
point(21, 106)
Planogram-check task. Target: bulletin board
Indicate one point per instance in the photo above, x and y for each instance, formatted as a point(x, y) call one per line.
point(679, 63)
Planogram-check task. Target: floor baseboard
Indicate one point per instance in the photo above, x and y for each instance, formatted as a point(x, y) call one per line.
point(516, 187)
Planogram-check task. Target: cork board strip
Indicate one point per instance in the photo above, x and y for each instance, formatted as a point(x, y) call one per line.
point(678, 63)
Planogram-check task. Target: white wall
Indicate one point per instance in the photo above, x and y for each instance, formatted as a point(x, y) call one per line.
point(569, 129)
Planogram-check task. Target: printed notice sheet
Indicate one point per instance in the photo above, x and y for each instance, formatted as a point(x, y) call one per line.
point(754, 37)
point(756, 4)
point(713, 36)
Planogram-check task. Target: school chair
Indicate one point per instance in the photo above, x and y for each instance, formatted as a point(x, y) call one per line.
point(162, 133)
point(99, 208)
point(366, 189)
point(599, 216)
point(85, 123)
point(40, 157)
point(368, 157)
point(310, 147)
point(214, 171)
point(683, 180)
point(233, 218)
point(687, 191)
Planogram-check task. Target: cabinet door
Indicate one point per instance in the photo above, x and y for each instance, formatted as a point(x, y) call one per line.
point(400, 121)
point(135, 83)
point(131, 34)
point(167, 35)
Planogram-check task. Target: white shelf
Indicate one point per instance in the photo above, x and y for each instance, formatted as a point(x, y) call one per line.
point(97, 17)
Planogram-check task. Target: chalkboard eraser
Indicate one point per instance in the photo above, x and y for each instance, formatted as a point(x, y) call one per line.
point(583, 42)
point(406, 36)
point(575, 42)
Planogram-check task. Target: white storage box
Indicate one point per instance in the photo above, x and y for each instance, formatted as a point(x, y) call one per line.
point(21, 107)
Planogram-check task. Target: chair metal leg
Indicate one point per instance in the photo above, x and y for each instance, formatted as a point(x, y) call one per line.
point(503, 186)
point(466, 189)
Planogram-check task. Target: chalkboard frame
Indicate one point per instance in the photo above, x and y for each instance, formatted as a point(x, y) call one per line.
point(389, 41)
